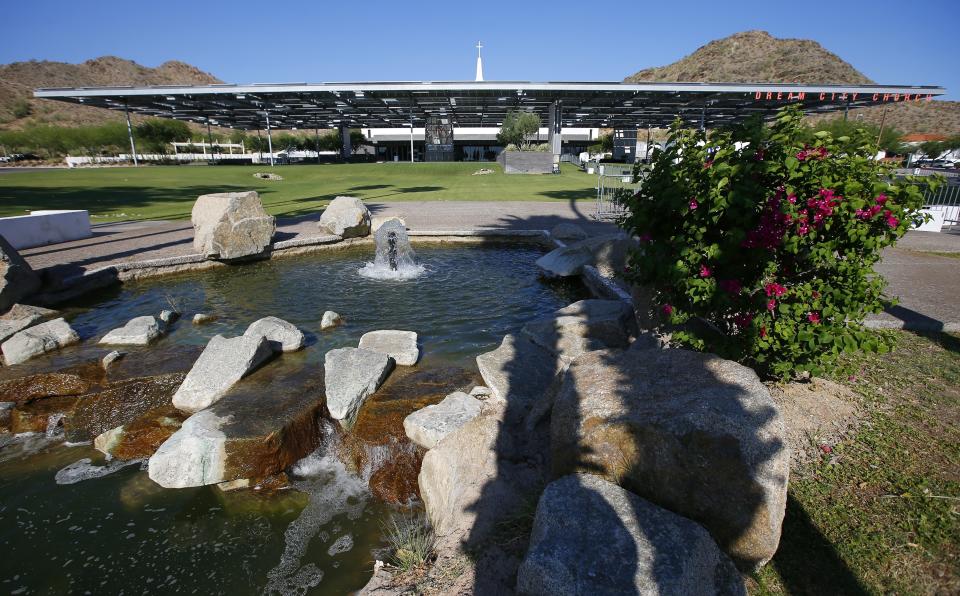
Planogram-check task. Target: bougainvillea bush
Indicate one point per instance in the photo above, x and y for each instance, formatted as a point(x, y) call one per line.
point(767, 243)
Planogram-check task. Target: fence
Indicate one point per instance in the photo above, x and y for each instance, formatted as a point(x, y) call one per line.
point(614, 185)
point(945, 200)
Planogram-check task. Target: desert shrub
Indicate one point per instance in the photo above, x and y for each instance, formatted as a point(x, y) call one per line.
point(411, 541)
point(22, 108)
point(760, 248)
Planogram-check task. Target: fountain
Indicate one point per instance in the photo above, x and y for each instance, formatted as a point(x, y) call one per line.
point(394, 259)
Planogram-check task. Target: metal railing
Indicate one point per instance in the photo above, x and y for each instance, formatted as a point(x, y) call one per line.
point(946, 200)
point(614, 185)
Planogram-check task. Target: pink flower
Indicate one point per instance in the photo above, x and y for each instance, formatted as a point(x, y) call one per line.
point(693, 204)
point(813, 317)
point(708, 164)
point(826, 448)
point(772, 304)
point(792, 199)
point(705, 271)
point(763, 331)
point(892, 221)
point(775, 289)
point(802, 229)
point(730, 286)
point(667, 309)
point(743, 319)
point(881, 199)
point(815, 294)
point(645, 237)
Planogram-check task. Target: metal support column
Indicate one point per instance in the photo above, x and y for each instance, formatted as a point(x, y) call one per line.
point(259, 143)
point(316, 129)
point(345, 149)
point(133, 145)
point(646, 153)
point(703, 118)
point(213, 154)
point(269, 140)
point(555, 125)
point(411, 135)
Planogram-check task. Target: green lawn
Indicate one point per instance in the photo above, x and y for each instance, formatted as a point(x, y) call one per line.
point(168, 192)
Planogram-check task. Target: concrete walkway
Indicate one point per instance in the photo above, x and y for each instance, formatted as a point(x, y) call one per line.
point(927, 285)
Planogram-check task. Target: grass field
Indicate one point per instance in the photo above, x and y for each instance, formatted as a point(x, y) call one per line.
point(115, 194)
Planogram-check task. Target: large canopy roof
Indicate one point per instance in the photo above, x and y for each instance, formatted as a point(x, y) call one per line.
point(473, 104)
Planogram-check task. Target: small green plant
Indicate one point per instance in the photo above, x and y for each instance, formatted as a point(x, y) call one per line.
point(760, 246)
point(22, 108)
point(411, 541)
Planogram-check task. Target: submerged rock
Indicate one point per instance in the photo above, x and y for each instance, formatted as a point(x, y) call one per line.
point(231, 225)
point(221, 365)
point(690, 432)
point(76, 380)
point(42, 415)
point(141, 438)
point(241, 436)
point(139, 331)
point(17, 278)
point(120, 404)
point(37, 340)
point(330, 319)
point(203, 318)
point(592, 537)
point(111, 358)
point(351, 376)
point(399, 345)
point(346, 217)
point(429, 426)
point(608, 253)
point(167, 317)
point(377, 447)
point(283, 336)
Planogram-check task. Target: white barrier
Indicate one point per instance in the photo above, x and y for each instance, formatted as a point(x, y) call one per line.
point(45, 227)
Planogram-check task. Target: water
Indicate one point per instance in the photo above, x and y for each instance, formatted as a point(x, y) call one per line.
point(110, 530)
point(394, 259)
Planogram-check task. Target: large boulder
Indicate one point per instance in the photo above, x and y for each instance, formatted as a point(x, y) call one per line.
point(346, 217)
point(282, 336)
point(690, 432)
point(582, 327)
point(429, 426)
point(608, 253)
point(120, 404)
point(17, 278)
point(351, 376)
point(37, 340)
point(242, 436)
point(221, 365)
point(592, 537)
point(518, 372)
point(469, 483)
point(230, 225)
point(21, 316)
point(139, 331)
point(399, 345)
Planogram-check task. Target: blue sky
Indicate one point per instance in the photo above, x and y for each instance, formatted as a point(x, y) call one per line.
point(246, 42)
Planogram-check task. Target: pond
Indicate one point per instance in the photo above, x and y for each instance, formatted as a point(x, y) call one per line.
point(121, 533)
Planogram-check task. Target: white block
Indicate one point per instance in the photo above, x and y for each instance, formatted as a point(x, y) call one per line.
point(935, 224)
point(41, 228)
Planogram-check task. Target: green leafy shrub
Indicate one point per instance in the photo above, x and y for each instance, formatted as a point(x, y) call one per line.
point(760, 248)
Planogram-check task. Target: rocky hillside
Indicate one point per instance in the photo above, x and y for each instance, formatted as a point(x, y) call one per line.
point(758, 57)
point(18, 108)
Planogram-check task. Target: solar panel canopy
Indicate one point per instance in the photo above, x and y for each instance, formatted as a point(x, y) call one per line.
point(480, 104)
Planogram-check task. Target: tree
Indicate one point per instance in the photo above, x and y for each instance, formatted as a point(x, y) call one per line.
point(517, 127)
point(891, 139)
point(155, 134)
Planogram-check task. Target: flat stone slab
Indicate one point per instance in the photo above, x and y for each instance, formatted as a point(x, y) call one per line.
point(21, 316)
point(221, 365)
point(244, 435)
point(608, 253)
point(37, 340)
point(399, 345)
point(120, 404)
point(351, 376)
point(139, 331)
point(429, 426)
point(592, 537)
point(282, 336)
point(518, 372)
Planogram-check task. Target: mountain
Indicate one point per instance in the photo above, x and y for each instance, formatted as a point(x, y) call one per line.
point(758, 57)
point(18, 107)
